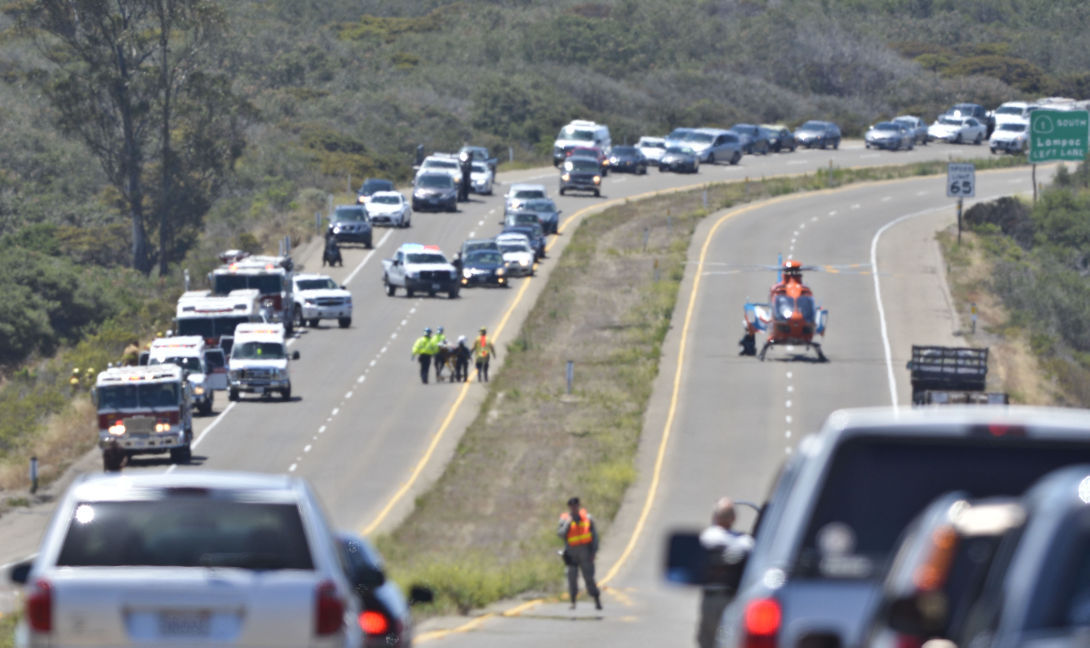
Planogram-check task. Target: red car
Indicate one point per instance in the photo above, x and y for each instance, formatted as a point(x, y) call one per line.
point(591, 152)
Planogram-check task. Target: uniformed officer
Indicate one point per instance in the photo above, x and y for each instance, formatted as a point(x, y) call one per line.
point(727, 550)
point(423, 350)
point(576, 529)
point(466, 162)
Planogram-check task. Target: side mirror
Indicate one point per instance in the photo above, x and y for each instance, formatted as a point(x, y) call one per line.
point(918, 614)
point(368, 577)
point(20, 572)
point(295, 355)
point(343, 287)
point(420, 594)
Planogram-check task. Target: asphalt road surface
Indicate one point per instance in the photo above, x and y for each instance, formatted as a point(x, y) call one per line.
point(370, 437)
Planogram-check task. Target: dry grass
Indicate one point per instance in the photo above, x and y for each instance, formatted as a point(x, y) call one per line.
point(1013, 367)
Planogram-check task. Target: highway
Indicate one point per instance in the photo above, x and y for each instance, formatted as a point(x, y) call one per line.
point(370, 437)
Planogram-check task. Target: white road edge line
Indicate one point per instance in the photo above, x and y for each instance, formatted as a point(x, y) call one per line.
point(367, 258)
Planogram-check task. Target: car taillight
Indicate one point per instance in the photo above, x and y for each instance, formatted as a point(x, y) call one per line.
point(905, 641)
point(374, 623)
point(328, 610)
point(39, 607)
point(763, 618)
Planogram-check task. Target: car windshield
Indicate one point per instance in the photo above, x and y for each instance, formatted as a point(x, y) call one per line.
point(254, 350)
point(425, 257)
point(323, 283)
point(701, 138)
point(520, 218)
point(189, 363)
point(907, 123)
point(744, 128)
point(529, 193)
point(813, 125)
point(476, 245)
point(1009, 110)
point(119, 397)
point(575, 133)
point(950, 121)
point(209, 327)
point(1016, 127)
point(514, 247)
point(186, 532)
point(583, 164)
point(223, 283)
point(387, 200)
point(652, 144)
point(485, 257)
point(679, 133)
point(540, 206)
point(349, 214)
point(680, 150)
point(435, 181)
point(625, 150)
point(479, 167)
point(887, 126)
point(440, 164)
point(864, 523)
point(373, 185)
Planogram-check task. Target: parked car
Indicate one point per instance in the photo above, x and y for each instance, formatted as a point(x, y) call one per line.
point(915, 126)
point(350, 224)
point(976, 111)
point(435, 191)
point(957, 130)
point(677, 137)
point(469, 245)
point(840, 504)
point(679, 159)
point(532, 233)
point(627, 158)
point(713, 145)
point(517, 254)
point(519, 192)
point(385, 616)
point(480, 178)
point(652, 147)
point(1010, 137)
point(752, 139)
point(547, 213)
point(889, 135)
point(370, 186)
point(442, 163)
point(484, 268)
point(581, 174)
point(820, 134)
point(389, 208)
point(1012, 111)
point(779, 138)
point(188, 558)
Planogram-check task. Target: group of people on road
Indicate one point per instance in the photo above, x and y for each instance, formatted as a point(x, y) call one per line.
point(433, 348)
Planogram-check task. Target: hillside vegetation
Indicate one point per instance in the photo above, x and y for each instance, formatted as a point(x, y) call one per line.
point(338, 90)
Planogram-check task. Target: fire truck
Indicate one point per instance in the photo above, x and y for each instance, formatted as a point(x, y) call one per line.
point(214, 317)
point(270, 275)
point(146, 409)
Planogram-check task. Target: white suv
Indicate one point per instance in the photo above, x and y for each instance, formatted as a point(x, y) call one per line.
point(189, 558)
point(318, 297)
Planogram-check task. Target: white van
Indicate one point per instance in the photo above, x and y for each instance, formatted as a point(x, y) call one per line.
point(581, 133)
point(202, 365)
point(1012, 111)
point(259, 361)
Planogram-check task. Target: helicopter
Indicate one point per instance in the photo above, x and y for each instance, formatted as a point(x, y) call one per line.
point(791, 315)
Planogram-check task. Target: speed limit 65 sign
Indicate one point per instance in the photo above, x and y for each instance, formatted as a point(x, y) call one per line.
point(960, 180)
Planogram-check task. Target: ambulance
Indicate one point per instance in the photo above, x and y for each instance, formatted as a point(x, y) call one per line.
point(204, 367)
point(145, 409)
point(214, 317)
point(259, 361)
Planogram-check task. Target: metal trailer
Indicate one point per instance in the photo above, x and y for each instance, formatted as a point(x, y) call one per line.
point(941, 374)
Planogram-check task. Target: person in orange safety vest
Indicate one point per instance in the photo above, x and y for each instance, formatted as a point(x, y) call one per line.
point(576, 529)
point(483, 351)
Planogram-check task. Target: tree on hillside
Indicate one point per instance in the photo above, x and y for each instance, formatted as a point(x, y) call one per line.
point(130, 78)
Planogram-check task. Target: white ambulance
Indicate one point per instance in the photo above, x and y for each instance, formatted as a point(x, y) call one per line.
point(204, 366)
point(259, 361)
point(214, 317)
point(145, 409)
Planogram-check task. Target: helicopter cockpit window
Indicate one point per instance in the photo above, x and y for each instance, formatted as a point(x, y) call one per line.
point(783, 307)
point(806, 307)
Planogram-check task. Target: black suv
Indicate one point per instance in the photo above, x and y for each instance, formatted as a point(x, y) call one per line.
point(580, 174)
point(350, 224)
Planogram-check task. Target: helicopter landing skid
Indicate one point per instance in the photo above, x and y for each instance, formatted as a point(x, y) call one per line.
point(817, 347)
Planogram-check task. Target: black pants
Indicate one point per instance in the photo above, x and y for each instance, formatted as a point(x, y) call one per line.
point(482, 370)
point(461, 369)
point(425, 364)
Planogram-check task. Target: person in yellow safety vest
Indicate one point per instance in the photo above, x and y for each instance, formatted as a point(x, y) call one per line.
point(73, 381)
point(576, 529)
point(483, 351)
point(423, 349)
point(440, 356)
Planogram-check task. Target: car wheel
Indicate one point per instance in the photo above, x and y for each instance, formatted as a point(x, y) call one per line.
point(453, 293)
point(344, 322)
point(643, 170)
point(562, 191)
point(367, 243)
point(836, 144)
point(866, 145)
point(313, 323)
point(299, 317)
point(409, 292)
point(285, 394)
point(957, 139)
point(205, 408)
point(390, 288)
point(181, 455)
point(711, 158)
point(596, 194)
point(822, 144)
point(736, 158)
point(978, 139)
point(232, 395)
point(289, 328)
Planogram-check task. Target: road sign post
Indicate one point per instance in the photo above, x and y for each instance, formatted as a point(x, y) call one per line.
point(960, 184)
point(1058, 135)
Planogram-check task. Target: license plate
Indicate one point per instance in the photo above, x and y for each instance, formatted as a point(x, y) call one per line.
point(435, 286)
point(259, 390)
point(185, 624)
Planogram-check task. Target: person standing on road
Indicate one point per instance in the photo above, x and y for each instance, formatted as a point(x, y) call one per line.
point(483, 351)
point(441, 353)
point(114, 457)
point(466, 163)
point(727, 551)
point(576, 529)
point(423, 350)
point(461, 360)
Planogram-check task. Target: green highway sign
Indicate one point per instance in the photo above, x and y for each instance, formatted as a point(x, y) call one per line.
point(1058, 135)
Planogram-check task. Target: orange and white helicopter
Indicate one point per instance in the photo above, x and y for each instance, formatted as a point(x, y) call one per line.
point(791, 315)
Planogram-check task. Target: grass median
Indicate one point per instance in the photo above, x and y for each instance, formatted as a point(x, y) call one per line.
point(485, 530)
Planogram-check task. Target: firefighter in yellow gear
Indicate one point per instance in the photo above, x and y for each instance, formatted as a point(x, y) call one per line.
point(423, 350)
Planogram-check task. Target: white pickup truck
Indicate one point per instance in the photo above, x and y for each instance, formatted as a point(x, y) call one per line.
point(318, 297)
point(419, 268)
